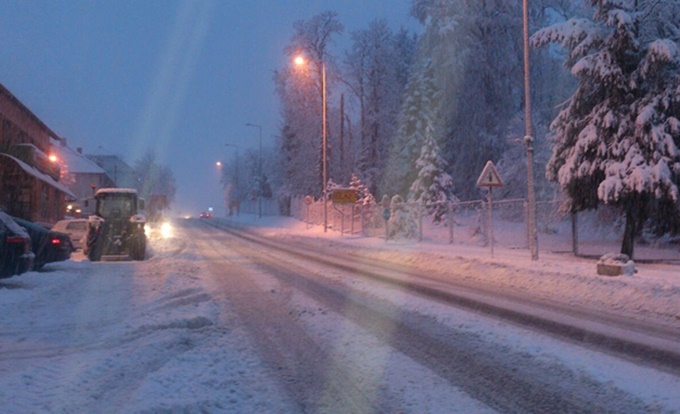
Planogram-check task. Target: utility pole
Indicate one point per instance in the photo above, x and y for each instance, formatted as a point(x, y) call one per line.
point(259, 190)
point(529, 140)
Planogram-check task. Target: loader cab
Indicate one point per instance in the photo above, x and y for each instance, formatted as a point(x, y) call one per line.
point(118, 204)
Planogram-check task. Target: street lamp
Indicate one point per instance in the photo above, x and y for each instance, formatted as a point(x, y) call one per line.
point(299, 60)
point(529, 139)
point(235, 162)
point(234, 191)
point(259, 190)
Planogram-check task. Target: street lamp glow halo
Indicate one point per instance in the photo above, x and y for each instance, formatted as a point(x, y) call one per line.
point(299, 60)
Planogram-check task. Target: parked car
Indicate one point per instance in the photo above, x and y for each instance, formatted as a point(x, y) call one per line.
point(15, 248)
point(48, 246)
point(75, 228)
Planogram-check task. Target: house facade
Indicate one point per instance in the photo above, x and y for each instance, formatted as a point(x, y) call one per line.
point(83, 177)
point(30, 182)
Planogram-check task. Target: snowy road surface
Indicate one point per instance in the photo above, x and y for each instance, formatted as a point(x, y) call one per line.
point(212, 323)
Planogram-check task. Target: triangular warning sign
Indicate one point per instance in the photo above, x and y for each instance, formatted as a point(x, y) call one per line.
point(489, 176)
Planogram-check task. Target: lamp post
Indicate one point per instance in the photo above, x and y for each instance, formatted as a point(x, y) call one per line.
point(529, 139)
point(235, 179)
point(299, 60)
point(259, 190)
point(219, 166)
point(231, 190)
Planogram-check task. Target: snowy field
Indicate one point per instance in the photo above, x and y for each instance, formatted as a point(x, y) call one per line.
point(147, 337)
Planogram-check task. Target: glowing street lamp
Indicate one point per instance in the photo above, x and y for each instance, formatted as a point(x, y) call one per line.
point(299, 60)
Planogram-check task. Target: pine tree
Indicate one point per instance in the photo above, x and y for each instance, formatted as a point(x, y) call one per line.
point(364, 196)
point(402, 223)
point(434, 186)
point(617, 139)
point(417, 114)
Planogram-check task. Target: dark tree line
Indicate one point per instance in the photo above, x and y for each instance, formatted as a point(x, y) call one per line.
point(604, 104)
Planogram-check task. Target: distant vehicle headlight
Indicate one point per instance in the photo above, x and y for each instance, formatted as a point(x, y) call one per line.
point(166, 230)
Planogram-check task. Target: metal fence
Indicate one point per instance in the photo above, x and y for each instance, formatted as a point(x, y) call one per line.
point(464, 222)
point(470, 223)
point(264, 207)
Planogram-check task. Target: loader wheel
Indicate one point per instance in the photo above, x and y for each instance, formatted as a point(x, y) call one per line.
point(94, 253)
point(94, 248)
point(138, 249)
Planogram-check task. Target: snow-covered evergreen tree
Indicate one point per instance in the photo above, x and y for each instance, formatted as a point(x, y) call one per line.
point(364, 196)
point(402, 223)
point(476, 48)
point(617, 138)
point(418, 113)
point(434, 186)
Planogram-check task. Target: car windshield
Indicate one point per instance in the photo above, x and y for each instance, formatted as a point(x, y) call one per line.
point(77, 225)
point(116, 205)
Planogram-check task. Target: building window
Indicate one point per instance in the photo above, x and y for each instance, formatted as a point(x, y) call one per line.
point(44, 201)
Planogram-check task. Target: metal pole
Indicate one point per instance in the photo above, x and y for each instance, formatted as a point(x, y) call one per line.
point(491, 219)
point(259, 167)
point(323, 139)
point(234, 179)
point(529, 140)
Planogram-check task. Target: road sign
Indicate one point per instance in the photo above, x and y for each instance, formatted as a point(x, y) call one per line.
point(344, 196)
point(489, 176)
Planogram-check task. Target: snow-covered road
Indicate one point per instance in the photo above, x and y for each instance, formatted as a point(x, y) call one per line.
point(202, 327)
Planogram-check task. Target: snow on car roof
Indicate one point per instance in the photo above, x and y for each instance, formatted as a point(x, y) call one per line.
point(115, 190)
point(12, 225)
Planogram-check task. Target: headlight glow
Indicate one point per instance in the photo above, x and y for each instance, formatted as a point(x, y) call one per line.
point(166, 230)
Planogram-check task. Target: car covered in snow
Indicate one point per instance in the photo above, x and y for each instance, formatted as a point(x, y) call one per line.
point(75, 228)
point(48, 246)
point(15, 248)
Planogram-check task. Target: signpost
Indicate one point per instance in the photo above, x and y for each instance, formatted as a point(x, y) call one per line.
point(344, 196)
point(386, 213)
point(490, 178)
point(308, 202)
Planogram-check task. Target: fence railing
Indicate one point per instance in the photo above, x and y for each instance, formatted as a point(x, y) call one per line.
point(268, 207)
point(468, 223)
point(465, 221)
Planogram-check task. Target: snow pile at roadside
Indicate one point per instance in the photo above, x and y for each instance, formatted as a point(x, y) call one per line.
point(125, 337)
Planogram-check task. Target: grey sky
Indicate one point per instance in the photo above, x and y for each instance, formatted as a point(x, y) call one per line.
point(180, 77)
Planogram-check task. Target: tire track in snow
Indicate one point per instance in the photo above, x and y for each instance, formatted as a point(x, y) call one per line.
point(488, 372)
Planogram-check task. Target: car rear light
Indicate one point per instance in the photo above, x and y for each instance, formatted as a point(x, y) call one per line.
point(56, 241)
point(19, 240)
